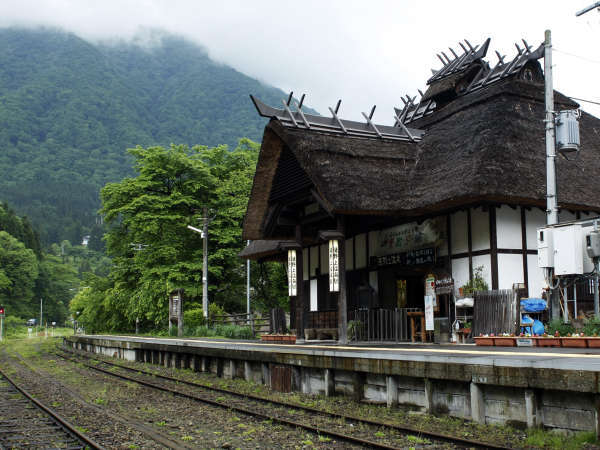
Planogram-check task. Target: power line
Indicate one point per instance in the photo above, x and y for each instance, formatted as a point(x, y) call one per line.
point(577, 56)
point(584, 100)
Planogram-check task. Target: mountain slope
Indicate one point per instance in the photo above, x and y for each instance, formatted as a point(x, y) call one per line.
point(69, 109)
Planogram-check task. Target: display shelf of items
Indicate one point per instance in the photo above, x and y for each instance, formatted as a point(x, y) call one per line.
point(535, 309)
point(463, 314)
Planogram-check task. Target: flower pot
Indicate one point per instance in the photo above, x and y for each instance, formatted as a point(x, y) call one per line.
point(505, 341)
point(593, 342)
point(579, 342)
point(548, 342)
point(484, 341)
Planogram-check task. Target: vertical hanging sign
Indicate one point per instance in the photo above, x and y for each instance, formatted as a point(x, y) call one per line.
point(334, 268)
point(292, 279)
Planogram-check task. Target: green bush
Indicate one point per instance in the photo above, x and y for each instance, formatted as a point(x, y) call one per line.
point(562, 328)
point(228, 331)
point(194, 317)
point(477, 283)
point(14, 326)
point(592, 327)
point(215, 310)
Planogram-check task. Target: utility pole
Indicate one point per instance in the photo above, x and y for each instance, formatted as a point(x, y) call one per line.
point(551, 188)
point(248, 286)
point(205, 264)
point(204, 235)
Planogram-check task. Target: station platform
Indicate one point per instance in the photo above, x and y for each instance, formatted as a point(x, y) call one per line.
point(554, 387)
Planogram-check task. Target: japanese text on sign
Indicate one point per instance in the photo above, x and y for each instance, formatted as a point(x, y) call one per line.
point(292, 279)
point(412, 258)
point(334, 268)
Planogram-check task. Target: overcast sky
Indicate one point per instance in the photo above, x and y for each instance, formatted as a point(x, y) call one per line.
point(364, 52)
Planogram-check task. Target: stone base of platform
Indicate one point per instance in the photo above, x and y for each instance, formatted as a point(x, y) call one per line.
point(441, 389)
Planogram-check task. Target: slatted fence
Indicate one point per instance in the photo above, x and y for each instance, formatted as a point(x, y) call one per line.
point(495, 312)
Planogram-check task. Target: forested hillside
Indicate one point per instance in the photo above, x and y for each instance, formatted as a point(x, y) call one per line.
point(69, 109)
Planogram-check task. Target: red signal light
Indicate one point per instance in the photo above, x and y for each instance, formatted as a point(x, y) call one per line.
point(1, 310)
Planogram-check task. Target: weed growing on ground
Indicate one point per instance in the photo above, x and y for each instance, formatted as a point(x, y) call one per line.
point(553, 440)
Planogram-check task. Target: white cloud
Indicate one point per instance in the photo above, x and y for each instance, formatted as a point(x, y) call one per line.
point(363, 52)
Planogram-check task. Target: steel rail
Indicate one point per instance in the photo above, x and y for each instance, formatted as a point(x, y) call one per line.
point(62, 422)
point(142, 428)
point(402, 429)
point(311, 428)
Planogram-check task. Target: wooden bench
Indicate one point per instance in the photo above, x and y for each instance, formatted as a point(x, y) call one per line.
point(320, 333)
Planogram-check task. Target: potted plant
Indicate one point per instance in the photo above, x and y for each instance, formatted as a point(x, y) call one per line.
point(484, 340)
point(505, 340)
point(547, 340)
point(574, 340)
point(278, 338)
point(477, 283)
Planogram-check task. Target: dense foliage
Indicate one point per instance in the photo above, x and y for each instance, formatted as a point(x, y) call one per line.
point(70, 108)
point(28, 276)
point(154, 253)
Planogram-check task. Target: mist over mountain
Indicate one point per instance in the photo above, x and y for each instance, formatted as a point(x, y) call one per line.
point(69, 109)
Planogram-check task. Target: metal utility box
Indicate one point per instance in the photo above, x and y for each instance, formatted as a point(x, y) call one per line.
point(567, 131)
point(568, 250)
point(592, 241)
point(545, 244)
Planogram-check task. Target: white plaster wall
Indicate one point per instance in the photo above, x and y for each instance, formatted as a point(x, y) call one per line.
point(460, 271)
point(486, 262)
point(314, 259)
point(535, 277)
point(373, 239)
point(508, 227)
point(459, 232)
point(534, 219)
point(480, 229)
point(374, 281)
point(305, 264)
point(350, 254)
point(360, 247)
point(324, 258)
point(313, 295)
point(510, 270)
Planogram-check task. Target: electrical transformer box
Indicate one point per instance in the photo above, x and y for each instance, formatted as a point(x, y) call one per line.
point(568, 250)
point(592, 241)
point(545, 245)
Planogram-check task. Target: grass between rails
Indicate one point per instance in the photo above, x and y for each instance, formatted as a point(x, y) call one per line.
point(502, 435)
point(35, 349)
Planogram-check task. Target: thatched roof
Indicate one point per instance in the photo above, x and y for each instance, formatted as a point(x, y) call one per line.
point(485, 146)
point(264, 250)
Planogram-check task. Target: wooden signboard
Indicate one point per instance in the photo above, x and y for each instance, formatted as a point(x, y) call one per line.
point(292, 274)
point(176, 310)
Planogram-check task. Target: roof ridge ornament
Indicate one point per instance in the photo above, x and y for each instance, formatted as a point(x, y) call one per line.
point(485, 75)
point(335, 125)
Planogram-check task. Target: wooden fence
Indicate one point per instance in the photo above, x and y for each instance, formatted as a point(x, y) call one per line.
point(495, 312)
point(256, 323)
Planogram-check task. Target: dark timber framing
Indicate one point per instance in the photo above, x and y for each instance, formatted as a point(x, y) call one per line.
point(493, 246)
point(524, 246)
point(493, 251)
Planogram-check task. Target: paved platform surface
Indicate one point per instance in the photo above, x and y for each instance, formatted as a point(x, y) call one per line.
point(572, 359)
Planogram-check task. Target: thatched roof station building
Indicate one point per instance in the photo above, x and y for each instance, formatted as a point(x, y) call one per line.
point(457, 184)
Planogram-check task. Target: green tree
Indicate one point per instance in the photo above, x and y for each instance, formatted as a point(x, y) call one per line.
point(18, 274)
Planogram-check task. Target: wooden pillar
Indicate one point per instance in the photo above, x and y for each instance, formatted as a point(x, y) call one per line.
point(299, 300)
point(494, 247)
point(342, 300)
point(524, 247)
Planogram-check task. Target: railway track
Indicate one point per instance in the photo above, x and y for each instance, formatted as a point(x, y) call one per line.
point(25, 422)
point(239, 402)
